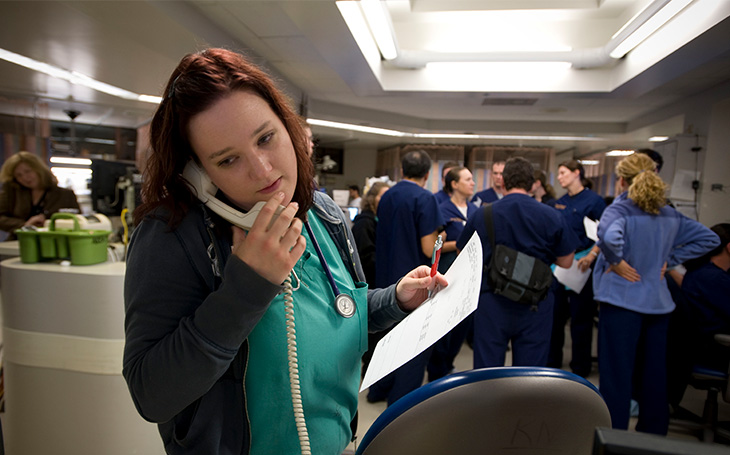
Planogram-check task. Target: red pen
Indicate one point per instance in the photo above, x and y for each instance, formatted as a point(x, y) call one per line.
point(436, 256)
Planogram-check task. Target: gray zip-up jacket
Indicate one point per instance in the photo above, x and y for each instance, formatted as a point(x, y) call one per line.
point(190, 306)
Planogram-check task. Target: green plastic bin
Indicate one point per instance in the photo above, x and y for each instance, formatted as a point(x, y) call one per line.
point(81, 247)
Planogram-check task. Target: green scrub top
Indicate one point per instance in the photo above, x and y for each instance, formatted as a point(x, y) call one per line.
point(329, 351)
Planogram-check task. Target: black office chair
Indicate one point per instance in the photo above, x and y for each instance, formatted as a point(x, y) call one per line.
point(622, 442)
point(707, 427)
point(507, 410)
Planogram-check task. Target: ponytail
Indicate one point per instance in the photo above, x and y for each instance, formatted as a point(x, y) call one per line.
point(646, 188)
point(648, 191)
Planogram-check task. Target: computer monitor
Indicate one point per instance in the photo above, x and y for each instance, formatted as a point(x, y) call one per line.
point(353, 212)
point(106, 197)
point(621, 442)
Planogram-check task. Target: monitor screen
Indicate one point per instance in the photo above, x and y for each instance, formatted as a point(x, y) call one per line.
point(106, 197)
point(353, 212)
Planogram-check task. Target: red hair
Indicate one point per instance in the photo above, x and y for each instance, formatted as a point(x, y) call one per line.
point(200, 80)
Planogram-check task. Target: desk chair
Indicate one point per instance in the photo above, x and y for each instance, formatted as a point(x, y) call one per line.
point(507, 410)
point(716, 383)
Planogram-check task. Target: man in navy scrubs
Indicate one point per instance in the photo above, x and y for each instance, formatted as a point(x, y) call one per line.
point(409, 220)
point(496, 192)
point(533, 228)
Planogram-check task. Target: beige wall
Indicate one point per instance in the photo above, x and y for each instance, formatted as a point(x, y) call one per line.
point(358, 164)
point(714, 206)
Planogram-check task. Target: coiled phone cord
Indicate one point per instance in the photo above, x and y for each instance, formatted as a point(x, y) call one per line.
point(291, 343)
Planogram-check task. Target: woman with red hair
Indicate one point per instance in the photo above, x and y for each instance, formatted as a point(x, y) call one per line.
point(245, 341)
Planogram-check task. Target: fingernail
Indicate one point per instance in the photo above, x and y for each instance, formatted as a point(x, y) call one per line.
point(280, 195)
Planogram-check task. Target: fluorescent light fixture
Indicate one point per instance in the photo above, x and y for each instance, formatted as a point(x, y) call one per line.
point(517, 137)
point(351, 127)
point(352, 14)
point(69, 160)
point(651, 25)
point(395, 133)
point(75, 77)
point(620, 153)
point(150, 99)
point(379, 22)
point(658, 138)
point(97, 140)
point(64, 171)
point(589, 162)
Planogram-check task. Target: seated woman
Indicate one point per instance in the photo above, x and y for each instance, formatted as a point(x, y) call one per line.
point(30, 193)
point(706, 286)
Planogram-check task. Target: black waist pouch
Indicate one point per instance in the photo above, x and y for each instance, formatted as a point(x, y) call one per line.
point(513, 274)
point(518, 276)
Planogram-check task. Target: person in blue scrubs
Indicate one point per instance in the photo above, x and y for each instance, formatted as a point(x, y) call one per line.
point(442, 195)
point(459, 184)
point(409, 221)
point(639, 238)
point(541, 190)
point(579, 202)
point(496, 192)
point(521, 223)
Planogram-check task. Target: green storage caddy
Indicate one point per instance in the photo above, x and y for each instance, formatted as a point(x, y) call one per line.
point(81, 247)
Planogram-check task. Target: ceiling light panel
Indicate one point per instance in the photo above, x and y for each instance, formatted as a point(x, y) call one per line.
point(471, 5)
point(487, 28)
point(649, 26)
point(380, 26)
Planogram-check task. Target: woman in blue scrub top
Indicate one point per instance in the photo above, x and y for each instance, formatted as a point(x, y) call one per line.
point(245, 340)
point(459, 185)
point(639, 238)
point(578, 203)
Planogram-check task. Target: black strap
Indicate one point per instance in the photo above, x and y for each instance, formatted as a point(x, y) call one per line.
point(489, 222)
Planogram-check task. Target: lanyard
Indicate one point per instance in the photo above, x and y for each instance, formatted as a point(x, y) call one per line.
point(344, 304)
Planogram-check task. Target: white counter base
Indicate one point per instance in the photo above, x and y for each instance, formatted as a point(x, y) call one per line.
point(64, 393)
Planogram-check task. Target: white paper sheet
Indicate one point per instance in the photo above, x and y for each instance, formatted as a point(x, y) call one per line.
point(591, 228)
point(341, 197)
point(682, 185)
point(572, 277)
point(434, 318)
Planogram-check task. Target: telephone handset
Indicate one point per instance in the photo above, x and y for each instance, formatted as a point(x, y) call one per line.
point(205, 190)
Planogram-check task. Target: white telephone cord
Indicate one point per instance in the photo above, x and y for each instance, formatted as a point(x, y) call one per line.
point(291, 342)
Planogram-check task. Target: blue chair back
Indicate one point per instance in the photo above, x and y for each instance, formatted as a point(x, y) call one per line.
point(507, 410)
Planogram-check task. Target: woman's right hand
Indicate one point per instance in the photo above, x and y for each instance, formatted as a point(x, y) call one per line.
point(585, 262)
point(36, 220)
point(271, 251)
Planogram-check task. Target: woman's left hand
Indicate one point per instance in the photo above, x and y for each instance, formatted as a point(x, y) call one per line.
point(36, 220)
point(412, 289)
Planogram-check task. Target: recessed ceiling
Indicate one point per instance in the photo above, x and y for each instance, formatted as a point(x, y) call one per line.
point(308, 47)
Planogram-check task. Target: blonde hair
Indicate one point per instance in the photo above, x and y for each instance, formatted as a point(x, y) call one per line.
point(45, 175)
point(368, 201)
point(646, 188)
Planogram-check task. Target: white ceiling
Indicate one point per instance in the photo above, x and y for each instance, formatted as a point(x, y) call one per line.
point(307, 45)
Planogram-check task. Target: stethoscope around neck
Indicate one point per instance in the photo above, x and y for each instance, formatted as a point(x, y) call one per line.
point(344, 304)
